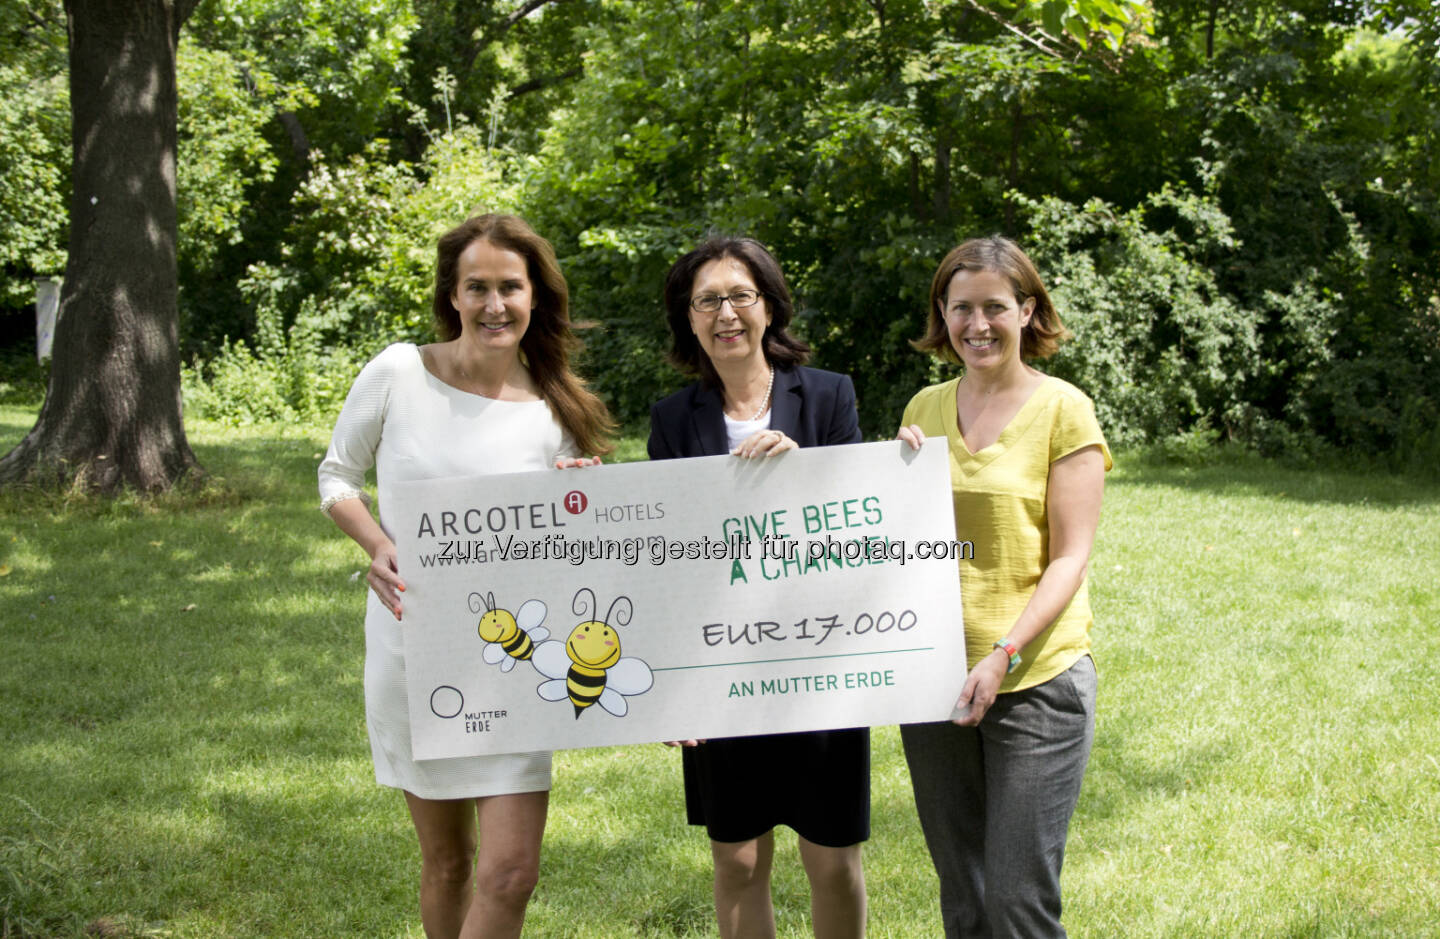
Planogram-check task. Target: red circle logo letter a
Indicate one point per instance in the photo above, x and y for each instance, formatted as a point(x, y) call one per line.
point(575, 501)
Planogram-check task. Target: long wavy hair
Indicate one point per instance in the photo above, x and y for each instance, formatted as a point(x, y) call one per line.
point(781, 349)
point(1039, 339)
point(549, 341)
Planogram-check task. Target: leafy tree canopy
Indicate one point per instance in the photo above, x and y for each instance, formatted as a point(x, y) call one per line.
point(1236, 198)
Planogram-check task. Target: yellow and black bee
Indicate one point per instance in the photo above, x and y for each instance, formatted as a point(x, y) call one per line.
point(509, 638)
point(587, 667)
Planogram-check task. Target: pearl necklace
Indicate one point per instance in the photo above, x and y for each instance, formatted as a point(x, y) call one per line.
point(765, 401)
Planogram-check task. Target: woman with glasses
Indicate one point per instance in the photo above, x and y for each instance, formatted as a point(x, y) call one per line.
point(729, 308)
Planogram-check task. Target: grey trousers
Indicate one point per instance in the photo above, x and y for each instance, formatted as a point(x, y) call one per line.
point(995, 803)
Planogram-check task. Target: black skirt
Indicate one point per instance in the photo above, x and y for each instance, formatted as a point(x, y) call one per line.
point(818, 783)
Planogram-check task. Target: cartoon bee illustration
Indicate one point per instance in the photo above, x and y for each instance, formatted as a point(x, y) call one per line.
point(509, 638)
point(587, 667)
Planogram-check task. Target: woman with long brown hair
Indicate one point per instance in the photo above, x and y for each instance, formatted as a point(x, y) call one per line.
point(495, 395)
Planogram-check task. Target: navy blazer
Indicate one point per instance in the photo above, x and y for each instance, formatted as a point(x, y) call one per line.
point(814, 408)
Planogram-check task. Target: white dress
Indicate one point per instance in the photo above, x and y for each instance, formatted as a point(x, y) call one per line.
point(409, 424)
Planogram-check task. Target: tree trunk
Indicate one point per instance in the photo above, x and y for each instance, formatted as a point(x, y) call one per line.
point(943, 151)
point(1210, 30)
point(112, 414)
point(1017, 118)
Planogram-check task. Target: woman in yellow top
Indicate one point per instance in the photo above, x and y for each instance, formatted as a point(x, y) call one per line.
point(996, 785)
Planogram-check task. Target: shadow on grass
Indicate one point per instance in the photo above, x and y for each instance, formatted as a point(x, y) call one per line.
point(183, 697)
point(206, 768)
point(675, 904)
point(1120, 775)
point(15, 423)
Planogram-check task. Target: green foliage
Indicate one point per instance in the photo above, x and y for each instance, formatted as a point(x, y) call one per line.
point(363, 238)
point(224, 107)
point(225, 157)
point(356, 276)
point(1210, 222)
point(847, 144)
point(460, 175)
point(289, 376)
point(304, 79)
point(1237, 202)
point(339, 69)
point(32, 876)
point(1083, 21)
point(1309, 169)
point(1158, 346)
point(338, 234)
point(658, 149)
point(1192, 447)
point(22, 378)
point(522, 56)
point(34, 187)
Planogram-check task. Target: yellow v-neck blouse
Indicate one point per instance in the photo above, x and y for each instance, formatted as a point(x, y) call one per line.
point(999, 495)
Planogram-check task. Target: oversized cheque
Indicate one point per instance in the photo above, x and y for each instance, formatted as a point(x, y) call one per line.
point(707, 597)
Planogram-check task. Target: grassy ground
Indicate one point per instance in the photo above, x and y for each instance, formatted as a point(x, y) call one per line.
point(184, 752)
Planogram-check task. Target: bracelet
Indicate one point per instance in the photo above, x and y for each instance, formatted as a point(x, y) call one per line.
point(1009, 649)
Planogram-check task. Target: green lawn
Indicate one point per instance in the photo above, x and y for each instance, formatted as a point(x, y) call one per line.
point(184, 752)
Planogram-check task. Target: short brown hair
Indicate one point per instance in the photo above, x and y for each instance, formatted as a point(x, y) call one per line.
point(549, 340)
point(781, 348)
point(1039, 339)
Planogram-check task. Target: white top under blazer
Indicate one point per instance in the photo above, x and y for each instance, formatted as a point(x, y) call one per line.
point(408, 424)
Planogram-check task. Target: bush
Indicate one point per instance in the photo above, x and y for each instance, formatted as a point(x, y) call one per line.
point(35, 184)
point(290, 377)
point(22, 378)
point(1158, 345)
point(358, 278)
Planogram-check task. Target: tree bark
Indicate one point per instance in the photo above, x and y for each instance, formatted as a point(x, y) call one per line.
point(112, 414)
point(539, 84)
point(1017, 117)
point(299, 141)
point(1210, 30)
point(489, 36)
point(943, 151)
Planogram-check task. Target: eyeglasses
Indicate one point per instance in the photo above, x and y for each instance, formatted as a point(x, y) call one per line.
point(710, 303)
